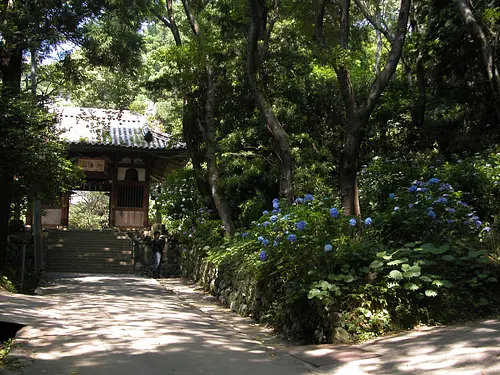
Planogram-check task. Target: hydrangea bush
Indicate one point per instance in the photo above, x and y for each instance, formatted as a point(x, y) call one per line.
point(313, 261)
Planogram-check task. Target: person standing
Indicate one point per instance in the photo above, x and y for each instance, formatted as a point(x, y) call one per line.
point(157, 246)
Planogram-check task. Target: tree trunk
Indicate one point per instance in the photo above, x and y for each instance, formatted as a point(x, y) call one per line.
point(11, 77)
point(213, 172)
point(273, 125)
point(192, 139)
point(357, 115)
point(480, 34)
point(5, 201)
point(348, 171)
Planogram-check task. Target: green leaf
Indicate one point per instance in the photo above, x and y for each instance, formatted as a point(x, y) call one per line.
point(448, 257)
point(492, 279)
point(413, 271)
point(397, 261)
point(313, 293)
point(410, 245)
point(475, 254)
point(426, 279)
point(438, 283)
point(376, 264)
point(405, 267)
point(392, 285)
point(396, 275)
point(411, 286)
point(431, 293)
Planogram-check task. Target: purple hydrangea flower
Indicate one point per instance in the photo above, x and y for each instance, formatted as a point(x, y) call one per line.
point(273, 218)
point(334, 212)
point(276, 205)
point(265, 223)
point(433, 180)
point(328, 248)
point(265, 242)
point(487, 229)
point(263, 255)
point(299, 200)
point(308, 197)
point(265, 212)
point(412, 188)
point(260, 238)
point(244, 234)
point(301, 225)
point(292, 238)
point(431, 214)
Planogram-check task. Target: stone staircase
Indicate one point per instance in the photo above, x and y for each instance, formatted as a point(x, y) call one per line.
point(87, 251)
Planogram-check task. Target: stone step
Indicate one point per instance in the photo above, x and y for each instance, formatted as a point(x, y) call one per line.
point(89, 252)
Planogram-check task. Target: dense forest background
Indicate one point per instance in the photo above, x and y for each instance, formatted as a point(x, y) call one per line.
point(381, 114)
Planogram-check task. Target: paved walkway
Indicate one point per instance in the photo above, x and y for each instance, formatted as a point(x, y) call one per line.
point(102, 324)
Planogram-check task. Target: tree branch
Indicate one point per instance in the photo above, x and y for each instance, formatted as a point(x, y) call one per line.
point(374, 22)
point(382, 80)
point(191, 19)
point(319, 33)
point(269, 30)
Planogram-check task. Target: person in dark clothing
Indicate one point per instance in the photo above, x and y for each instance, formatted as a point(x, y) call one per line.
point(157, 246)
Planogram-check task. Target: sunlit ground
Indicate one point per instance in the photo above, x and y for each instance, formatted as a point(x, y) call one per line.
point(127, 325)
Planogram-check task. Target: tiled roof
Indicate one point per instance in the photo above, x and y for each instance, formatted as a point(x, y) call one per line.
point(103, 127)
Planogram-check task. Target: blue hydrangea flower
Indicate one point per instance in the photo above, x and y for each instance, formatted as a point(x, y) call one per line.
point(396, 208)
point(265, 212)
point(276, 200)
point(308, 197)
point(301, 225)
point(328, 248)
point(265, 223)
point(431, 214)
point(265, 242)
point(292, 238)
point(442, 200)
point(260, 238)
point(276, 243)
point(352, 222)
point(410, 205)
point(486, 229)
point(451, 221)
point(273, 218)
point(244, 234)
point(433, 180)
point(299, 200)
point(463, 204)
point(450, 210)
point(412, 188)
point(368, 221)
point(263, 255)
point(445, 186)
point(276, 205)
point(392, 195)
point(334, 212)
point(422, 190)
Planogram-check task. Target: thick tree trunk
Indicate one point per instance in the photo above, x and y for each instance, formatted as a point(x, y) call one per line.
point(5, 201)
point(480, 34)
point(357, 115)
point(11, 77)
point(191, 137)
point(213, 172)
point(349, 162)
point(279, 135)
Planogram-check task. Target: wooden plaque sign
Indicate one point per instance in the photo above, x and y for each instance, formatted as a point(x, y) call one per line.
point(92, 165)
